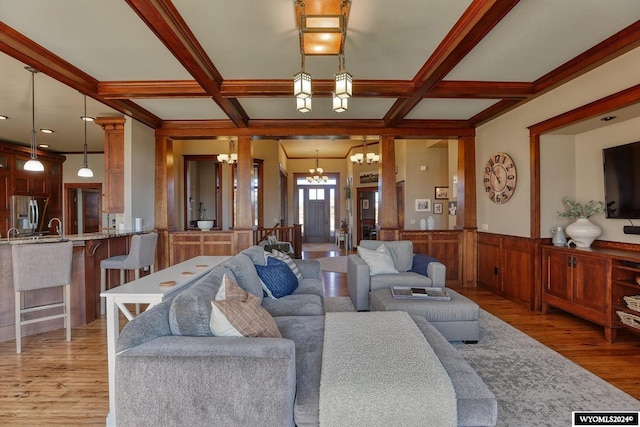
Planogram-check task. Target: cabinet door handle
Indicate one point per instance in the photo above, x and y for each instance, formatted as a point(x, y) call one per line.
point(569, 261)
point(575, 262)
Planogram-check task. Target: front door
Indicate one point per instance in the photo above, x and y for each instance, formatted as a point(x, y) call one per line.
point(316, 218)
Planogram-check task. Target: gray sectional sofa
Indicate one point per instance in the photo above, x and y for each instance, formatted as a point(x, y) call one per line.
point(170, 370)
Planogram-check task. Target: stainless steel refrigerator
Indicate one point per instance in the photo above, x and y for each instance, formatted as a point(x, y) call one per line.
point(29, 214)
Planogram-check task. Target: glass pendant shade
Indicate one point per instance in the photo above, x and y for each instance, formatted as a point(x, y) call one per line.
point(303, 105)
point(344, 85)
point(85, 172)
point(34, 165)
point(302, 85)
point(339, 104)
point(357, 158)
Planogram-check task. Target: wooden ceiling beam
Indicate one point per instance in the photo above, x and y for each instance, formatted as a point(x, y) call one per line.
point(479, 18)
point(203, 129)
point(165, 21)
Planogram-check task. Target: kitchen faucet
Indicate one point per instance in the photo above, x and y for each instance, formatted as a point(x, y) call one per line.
point(58, 227)
point(15, 232)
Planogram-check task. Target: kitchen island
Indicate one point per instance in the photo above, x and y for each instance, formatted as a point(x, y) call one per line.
point(88, 250)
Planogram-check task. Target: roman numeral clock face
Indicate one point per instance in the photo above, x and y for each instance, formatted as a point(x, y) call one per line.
point(499, 178)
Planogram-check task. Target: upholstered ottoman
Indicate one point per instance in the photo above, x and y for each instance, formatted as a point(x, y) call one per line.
point(456, 320)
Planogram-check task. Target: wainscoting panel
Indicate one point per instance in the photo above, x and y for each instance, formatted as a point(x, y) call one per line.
point(443, 245)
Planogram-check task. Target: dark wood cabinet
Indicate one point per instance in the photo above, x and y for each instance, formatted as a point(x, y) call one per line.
point(14, 180)
point(578, 281)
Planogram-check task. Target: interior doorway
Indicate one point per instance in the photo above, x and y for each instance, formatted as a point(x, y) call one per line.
point(317, 208)
point(83, 207)
point(367, 213)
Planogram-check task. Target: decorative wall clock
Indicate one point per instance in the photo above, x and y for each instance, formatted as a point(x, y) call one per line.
point(499, 178)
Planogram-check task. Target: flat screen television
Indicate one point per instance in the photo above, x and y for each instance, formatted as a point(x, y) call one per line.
point(622, 181)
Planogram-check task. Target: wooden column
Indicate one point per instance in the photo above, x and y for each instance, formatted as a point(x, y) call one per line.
point(388, 208)
point(244, 225)
point(466, 219)
point(113, 163)
point(165, 199)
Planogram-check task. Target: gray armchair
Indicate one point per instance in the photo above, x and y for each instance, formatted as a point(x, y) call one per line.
point(360, 282)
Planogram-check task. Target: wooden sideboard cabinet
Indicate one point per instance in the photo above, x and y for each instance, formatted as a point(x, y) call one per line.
point(590, 283)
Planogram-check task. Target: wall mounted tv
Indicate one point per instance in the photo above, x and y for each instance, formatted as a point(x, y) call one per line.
point(622, 180)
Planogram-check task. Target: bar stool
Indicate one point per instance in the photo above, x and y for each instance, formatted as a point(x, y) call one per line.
point(141, 254)
point(39, 266)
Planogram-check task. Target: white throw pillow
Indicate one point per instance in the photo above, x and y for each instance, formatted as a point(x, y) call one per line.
point(379, 261)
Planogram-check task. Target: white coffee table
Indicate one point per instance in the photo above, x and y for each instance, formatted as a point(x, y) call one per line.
point(147, 290)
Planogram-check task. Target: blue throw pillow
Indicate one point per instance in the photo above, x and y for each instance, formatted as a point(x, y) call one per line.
point(277, 277)
point(420, 263)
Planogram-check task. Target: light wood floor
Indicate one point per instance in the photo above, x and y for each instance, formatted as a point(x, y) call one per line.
point(54, 382)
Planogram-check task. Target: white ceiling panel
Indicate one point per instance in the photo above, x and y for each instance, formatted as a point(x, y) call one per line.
point(183, 108)
point(393, 39)
point(105, 39)
point(538, 36)
point(449, 109)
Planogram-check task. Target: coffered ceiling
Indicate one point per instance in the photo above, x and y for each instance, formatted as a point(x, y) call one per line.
point(219, 68)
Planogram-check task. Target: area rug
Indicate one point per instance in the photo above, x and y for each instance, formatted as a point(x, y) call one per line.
point(534, 385)
point(337, 264)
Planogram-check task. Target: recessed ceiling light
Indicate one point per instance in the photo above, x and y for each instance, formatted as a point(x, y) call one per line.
point(46, 130)
point(4, 117)
point(43, 145)
point(608, 118)
point(87, 118)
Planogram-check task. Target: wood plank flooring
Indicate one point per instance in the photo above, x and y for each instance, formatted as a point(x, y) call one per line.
point(54, 382)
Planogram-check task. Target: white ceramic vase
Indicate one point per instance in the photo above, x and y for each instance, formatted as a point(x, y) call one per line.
point(583, 232)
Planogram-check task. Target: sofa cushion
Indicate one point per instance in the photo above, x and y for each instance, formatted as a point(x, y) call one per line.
point(277, 277)
point(420, 263)
point(294, 305)
point(236, 313)
point(401, 251)
point(190, 310)
point(245, 273)
point(257, 254)
point(287, 260)
point(379, 260)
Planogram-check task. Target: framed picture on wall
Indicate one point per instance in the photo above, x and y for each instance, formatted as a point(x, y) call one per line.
point(365, 204)
point(423, 205)
point(437, 208)
point(442, 193)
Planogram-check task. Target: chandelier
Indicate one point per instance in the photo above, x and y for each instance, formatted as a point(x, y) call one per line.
point(230, 158)
point(363, 157)
point(317, 173)
point(322, 30)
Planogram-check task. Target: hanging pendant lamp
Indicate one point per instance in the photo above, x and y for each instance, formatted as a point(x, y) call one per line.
point(84, 171)
point(33, 164)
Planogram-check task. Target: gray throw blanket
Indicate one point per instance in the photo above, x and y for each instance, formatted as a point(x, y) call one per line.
point(379, 370)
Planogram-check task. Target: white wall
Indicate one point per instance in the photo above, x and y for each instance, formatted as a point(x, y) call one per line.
point(509, 133)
